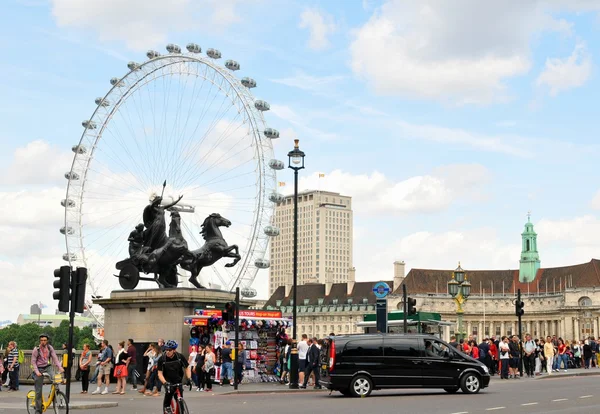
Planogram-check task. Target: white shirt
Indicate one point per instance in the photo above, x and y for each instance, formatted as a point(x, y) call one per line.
point(504, 350)
point(192, 359)
point(302, 349)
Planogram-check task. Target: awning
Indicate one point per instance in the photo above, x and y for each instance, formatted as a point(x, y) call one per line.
point(373, 324)
point(202, 320)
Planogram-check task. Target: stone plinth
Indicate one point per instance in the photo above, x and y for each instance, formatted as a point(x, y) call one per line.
point(146, 315)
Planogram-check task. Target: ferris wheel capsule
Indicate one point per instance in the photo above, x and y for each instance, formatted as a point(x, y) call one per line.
point(67, 203)
point(78, 149)
point(172, 48)
point(67, 230)
point(248, 82)
point(272, 231)
point(276, 164)
point(89, 124)
point(271, 133)
point(72, 176)
point(193, 48)
point(262, 263)
point(213, 53)
point(133, 65)
point(232, 65)
point(102, 102)
point(72, 257)
point(262, 105)
point(116, 82)
point(276, 197)
point(152, 54)
point(248, 292)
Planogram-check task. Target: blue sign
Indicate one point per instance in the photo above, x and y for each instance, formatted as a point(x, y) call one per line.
point(381, 290)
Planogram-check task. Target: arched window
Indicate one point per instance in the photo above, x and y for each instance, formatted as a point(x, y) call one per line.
point(528, 246)
point(585, 301)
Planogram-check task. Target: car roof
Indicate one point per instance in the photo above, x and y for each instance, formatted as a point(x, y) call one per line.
point(380, 335)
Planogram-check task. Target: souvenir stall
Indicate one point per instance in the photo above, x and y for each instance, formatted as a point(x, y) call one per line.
point(261, 333)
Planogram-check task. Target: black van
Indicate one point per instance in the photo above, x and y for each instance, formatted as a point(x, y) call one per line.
point(355, 365)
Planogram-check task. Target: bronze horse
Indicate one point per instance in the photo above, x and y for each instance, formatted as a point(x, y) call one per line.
point(214, 249)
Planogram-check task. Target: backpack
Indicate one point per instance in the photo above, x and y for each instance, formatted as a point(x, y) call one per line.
point(21, 357)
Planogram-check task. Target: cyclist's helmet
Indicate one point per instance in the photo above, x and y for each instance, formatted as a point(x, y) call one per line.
point(171, 344)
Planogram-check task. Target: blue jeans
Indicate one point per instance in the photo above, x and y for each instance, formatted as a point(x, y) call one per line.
point(561, 358)
point(227, 372)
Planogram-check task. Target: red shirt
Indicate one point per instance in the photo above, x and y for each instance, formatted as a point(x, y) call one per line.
point(475, 353)
point(494, 350)
point(562, 349)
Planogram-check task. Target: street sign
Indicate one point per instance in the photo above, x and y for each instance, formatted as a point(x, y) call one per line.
point(381, 315)
point(381, 290)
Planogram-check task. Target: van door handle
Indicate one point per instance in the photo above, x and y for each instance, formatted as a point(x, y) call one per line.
point(427, 362)
point(416, 362)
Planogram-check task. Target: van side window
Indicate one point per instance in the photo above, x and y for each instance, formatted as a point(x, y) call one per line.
point(436, 349)
point(364, 348)
point(401, 347)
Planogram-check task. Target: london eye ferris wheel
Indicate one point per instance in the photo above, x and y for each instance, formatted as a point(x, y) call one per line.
point(183, 119)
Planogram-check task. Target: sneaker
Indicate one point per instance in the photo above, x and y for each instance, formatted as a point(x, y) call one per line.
point(231, 383)
point(97, 391)
point(105, 391)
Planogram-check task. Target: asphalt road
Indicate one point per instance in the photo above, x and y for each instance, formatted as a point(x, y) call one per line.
point(564, 395)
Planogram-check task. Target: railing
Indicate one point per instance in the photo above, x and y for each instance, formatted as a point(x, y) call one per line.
point(26, 368)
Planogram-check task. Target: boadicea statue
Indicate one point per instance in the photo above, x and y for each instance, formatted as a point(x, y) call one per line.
point(152, 251)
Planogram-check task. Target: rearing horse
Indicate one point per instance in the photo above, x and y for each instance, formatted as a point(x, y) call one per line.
point(214, 249)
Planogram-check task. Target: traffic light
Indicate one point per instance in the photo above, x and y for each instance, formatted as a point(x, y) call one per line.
point(229, 311)
point(412, 306)
point(79, 282)
point(519, 305)
point(63, 284)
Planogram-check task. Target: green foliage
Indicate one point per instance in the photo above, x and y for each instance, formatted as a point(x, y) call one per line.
point(27, 336)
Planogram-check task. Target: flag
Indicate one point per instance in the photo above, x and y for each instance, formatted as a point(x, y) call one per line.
point(42, 306)
point(281, 184)
point(321, 175)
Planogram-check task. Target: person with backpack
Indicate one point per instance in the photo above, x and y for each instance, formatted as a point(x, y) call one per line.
point(172, 368)
point(43, 358)
point(106, 364)
point(13, 366)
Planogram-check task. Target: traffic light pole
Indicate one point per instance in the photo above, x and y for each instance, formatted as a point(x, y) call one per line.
point(236, 363)
point(520, 335)
point(73, 281)
point(405, 308)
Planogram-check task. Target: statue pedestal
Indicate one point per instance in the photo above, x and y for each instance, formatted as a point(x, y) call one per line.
point(146, 315)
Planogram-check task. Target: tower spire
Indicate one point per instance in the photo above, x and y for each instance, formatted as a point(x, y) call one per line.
point(529, 263)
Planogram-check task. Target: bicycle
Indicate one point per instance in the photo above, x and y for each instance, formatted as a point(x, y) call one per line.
point(56, 397)
point(178, 405)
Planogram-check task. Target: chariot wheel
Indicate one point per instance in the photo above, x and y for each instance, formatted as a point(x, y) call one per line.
point(129, 277)
point(182, 118)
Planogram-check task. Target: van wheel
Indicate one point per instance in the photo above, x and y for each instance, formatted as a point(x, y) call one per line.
point(451, 390)
point(361, 386)
point(470, 383)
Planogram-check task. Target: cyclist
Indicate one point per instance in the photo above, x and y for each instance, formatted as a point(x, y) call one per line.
point(172, 367)
point(42, 359)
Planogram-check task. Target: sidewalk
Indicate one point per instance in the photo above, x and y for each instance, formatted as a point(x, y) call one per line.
point(575, 372)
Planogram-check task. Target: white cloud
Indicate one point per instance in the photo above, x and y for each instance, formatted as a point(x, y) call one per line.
point(461, 51)
point(142, 24)
point(595, 203)
point(421, 194)
point(31, 165)
point(573, 232)
point(288, 114)
point(310, 83)
point(320, 26)
point(563, 74)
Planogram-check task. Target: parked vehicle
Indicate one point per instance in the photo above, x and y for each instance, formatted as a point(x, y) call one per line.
point(355, 365)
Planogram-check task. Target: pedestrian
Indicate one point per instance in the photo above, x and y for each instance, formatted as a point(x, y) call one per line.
point(147, 356)
point(120, 372)
point(504, 351)
point(84, 366)
point(312, 362)
point(549, 354)
point(13, 366)
point(240, 357)
point(208, 368)
point(285, 356)
point(105, 367)
point(153, 387)
point(561, 356)
point(172, 369)
point(43, 358)
point(302, 350)
point(587, 353)
point(226, 364)
point(513, 363)
point(131, 363)
point(529, 356)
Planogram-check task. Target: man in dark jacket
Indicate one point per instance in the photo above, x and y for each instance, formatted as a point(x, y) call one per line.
point(312, 364)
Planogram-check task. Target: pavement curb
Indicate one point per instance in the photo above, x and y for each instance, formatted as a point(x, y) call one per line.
point(569, 374)
point(90, 405)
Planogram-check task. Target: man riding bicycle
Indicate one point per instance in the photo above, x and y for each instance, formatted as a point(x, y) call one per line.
point(42, 359)
point(172, 367)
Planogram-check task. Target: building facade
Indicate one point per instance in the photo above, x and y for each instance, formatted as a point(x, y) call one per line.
point(325, 228)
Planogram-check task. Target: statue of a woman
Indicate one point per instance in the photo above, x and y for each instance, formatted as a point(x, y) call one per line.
point(155, 235)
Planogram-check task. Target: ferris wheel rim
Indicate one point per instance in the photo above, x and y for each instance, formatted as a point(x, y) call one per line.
point(255, 117)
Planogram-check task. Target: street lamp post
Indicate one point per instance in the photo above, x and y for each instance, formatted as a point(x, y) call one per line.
point(296, 163)
point(460, 289)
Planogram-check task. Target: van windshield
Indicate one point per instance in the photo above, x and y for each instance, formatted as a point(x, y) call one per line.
point(435, 349)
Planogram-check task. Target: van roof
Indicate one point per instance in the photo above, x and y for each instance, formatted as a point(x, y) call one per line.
point(382, 335)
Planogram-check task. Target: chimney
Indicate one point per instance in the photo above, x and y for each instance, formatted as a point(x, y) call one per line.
point(288, 284)
point(399, 273)
point(328, 281)
point(351, 280)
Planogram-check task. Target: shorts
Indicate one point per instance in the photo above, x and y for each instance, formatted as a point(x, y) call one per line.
point(513, 362)
point(302, 365)
point(106, 369)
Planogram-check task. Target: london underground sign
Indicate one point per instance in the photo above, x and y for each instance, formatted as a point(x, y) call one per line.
point(381, 290)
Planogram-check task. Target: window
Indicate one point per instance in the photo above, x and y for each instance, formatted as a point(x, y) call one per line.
point(364, 348)
point(585, 301)
point(320, 301)
point(400, 347)
point(435, 349)
point(306, 301)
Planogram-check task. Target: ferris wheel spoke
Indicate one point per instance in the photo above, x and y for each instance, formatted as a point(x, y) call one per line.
point(117, 160)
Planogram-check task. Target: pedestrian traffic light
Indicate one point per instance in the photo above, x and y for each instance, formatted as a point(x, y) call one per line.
point(229, 311)
point(63, 284)
point(519, 305)
point(79, 282)
point(412, 306)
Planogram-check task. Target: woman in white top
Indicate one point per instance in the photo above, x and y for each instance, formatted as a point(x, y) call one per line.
point(192, 362)
point(150, 354)
point(504, 352)
point(208, 369)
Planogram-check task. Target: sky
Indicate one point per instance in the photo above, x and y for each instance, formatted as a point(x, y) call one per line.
point(446, 122)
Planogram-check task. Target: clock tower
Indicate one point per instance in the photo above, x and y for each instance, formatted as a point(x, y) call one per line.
point(530, 258)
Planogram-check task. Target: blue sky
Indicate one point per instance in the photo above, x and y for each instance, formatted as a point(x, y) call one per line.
point(445, 121)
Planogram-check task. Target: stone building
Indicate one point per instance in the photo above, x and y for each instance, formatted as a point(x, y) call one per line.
point(562, 300)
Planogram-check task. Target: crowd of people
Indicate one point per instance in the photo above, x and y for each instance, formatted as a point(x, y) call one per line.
point(540, 355)
point(308, 361)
